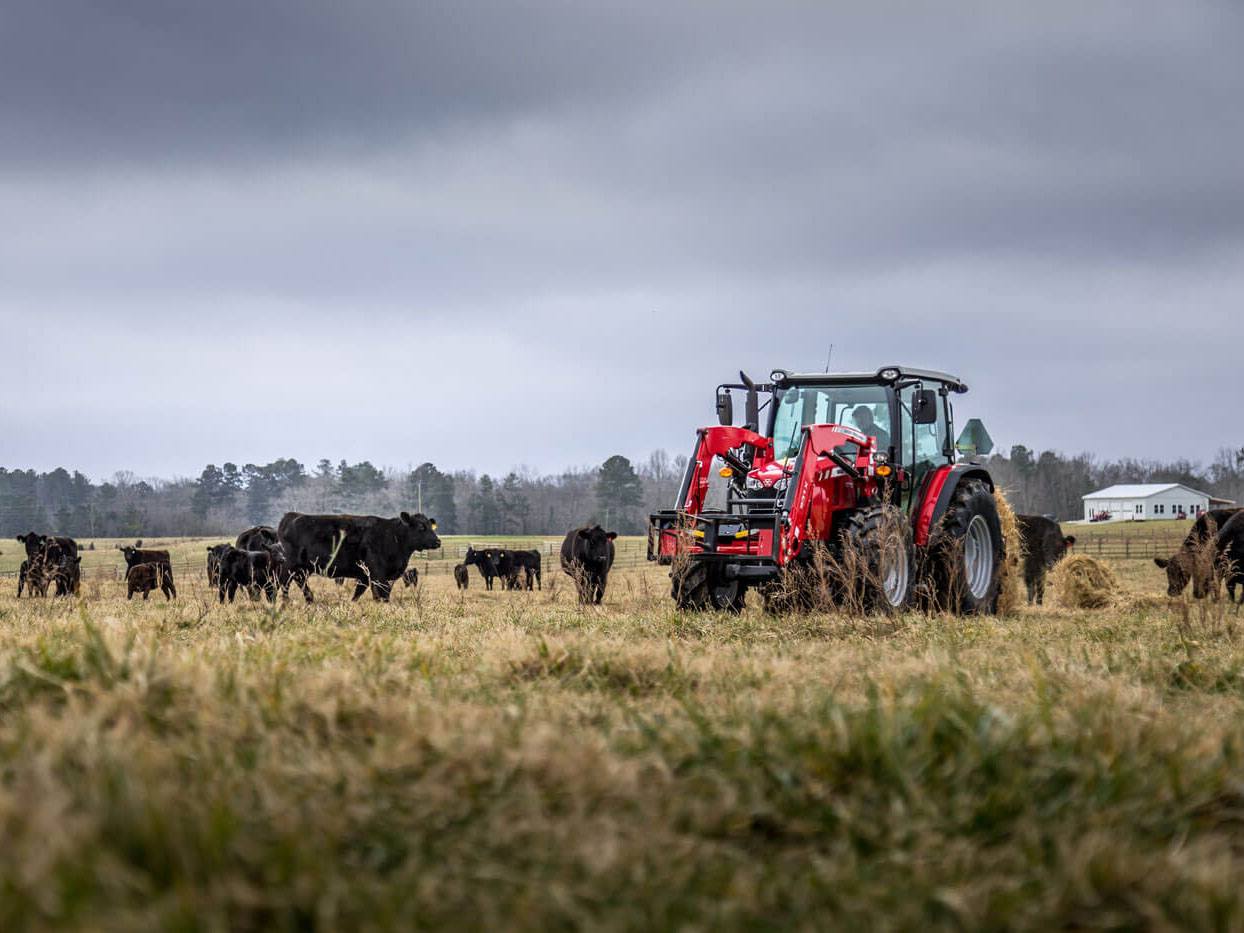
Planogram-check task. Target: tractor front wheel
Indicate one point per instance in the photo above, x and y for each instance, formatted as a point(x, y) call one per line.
point(697, 587)
point(968, 552)
point(881, 537)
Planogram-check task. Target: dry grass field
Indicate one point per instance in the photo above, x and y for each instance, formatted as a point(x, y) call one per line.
point(511, 760)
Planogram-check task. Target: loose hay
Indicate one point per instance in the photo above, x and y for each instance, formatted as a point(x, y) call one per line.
point(1010, 596)
point(1082, 582)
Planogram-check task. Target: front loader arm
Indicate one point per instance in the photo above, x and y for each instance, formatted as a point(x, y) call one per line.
point(825, 480)
point(718, 442)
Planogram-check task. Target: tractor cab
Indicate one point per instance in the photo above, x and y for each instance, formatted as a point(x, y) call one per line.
point(825, 459)
point(905, 413)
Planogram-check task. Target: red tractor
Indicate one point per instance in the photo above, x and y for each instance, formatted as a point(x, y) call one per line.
point(759, 510)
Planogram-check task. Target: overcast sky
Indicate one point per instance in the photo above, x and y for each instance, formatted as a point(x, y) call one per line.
point(498, 234)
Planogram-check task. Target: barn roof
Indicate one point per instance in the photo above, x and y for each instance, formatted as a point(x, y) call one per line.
point(1140, 491)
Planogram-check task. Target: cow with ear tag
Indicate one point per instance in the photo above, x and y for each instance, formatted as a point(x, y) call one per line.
point(587, 556)
point(370, 550)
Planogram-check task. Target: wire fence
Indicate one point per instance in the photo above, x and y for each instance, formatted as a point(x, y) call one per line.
point(1129, 547)
point(630, 553)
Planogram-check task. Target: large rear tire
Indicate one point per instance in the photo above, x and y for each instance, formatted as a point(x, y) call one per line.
point(967, 552)
point(881, 537)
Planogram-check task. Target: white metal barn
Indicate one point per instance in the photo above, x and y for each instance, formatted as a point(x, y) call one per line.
point(1146, 501)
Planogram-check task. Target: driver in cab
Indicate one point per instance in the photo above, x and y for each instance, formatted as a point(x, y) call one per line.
point(862, 415)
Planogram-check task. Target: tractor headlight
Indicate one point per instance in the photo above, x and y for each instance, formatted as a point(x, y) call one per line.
point(889, 375)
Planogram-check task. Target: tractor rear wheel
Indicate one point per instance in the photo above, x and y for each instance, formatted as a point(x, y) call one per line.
point(697, 587)
point(881, 537)
point(967, 552)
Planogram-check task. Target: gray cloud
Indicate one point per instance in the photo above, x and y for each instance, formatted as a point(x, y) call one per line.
point(594, 213)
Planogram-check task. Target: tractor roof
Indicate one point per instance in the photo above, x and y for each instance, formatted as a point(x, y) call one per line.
point(886, 375)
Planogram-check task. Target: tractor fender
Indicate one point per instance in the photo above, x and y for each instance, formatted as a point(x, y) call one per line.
point(936, 493)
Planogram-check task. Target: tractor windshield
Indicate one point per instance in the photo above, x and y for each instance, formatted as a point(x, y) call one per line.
point(866, 408)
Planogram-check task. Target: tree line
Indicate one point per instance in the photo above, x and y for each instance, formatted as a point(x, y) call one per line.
point(225, 498)
point(617, 493)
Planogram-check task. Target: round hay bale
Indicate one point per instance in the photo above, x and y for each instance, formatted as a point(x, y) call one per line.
point(1010, 595)
point(1083, 582)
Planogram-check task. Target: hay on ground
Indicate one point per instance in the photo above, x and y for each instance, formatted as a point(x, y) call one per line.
point(1010, 593)
point(1083, 582)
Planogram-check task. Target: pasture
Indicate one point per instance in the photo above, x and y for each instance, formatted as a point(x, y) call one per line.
point(513, 760)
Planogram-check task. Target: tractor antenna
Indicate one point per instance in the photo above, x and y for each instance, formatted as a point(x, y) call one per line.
point(829, 357)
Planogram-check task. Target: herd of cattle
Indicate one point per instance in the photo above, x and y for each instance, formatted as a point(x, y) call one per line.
point(373, 552)
point(1213, 551)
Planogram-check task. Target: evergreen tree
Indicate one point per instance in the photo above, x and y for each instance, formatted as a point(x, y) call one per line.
point(210, 491)
point(485, 514)
point(432, 492)
point(514, 508)
point(357, 481)
point(618, 493)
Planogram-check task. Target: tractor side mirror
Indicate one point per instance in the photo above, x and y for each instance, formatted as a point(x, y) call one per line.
point(924, 406)
point(725, 407)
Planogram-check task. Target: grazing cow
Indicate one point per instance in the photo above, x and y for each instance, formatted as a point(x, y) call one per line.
point(363, 548)
point(529, 563)
point(214, 553)
point(136, 555)
point(411, 576)
point(1044, 545)
point(143, 578)
point(1197, 556)
point(462, 576)
point(587, 556)
point(486, 561)
point(251, 570)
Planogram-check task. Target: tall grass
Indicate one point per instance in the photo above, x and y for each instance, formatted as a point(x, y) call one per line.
point(515, 760)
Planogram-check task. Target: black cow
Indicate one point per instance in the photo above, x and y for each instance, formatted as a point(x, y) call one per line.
point(486, 561)
point(251, 570)
point(143, 578)
point(1197, 556)
point(67, 574)
point(529, 563)
point(411, 576)
point(363, 548)
point(136, 555)
point(214, 553)
point(49, 559)
point(259, 538)
point(1044, 545)
point(587, 556)
point(1230, 547)
point(30, 576)
point(462, 576)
